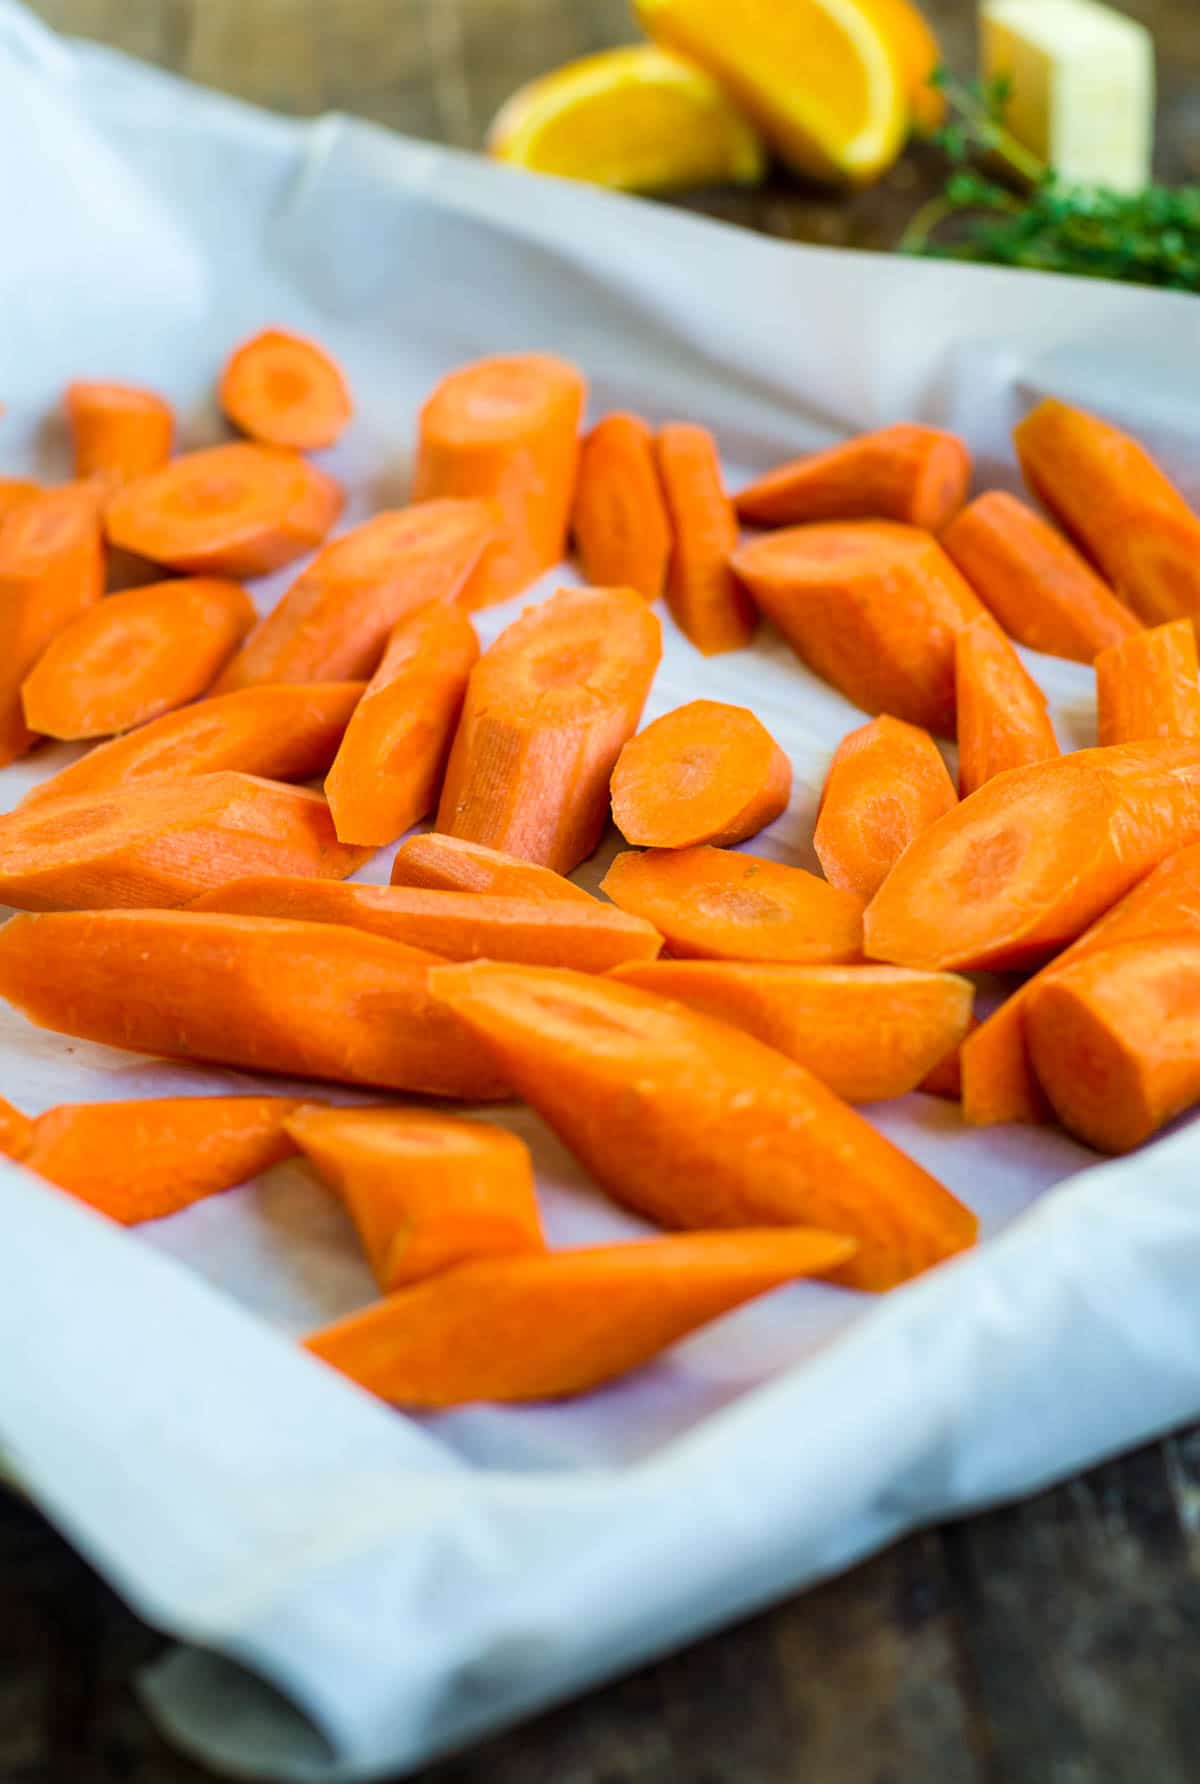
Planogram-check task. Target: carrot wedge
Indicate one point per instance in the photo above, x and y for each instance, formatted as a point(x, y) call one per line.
point(1022, 867)
point(1148, 686)
point(869, 1033)
point(886, 784)
point(872, 607)
point(711, 905)
point(388, 772)
point(1003, 719)
point(693, 1124)
point(303, 1000)
point(16, 1131)
point(238, 510)
point(426, 1191)
point(506, 431)
point(448, 864)
point(118, 431)
point(1043, 592)
point(284, 390)
point(706, 601)
point(620, 524)
point(706, 772)
point(163, 842)
point(15, 492)
point(333, 623)
point(549, 708)
point(918, 475)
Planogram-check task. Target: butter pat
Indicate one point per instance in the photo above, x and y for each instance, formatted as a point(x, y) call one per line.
point(1082, 79)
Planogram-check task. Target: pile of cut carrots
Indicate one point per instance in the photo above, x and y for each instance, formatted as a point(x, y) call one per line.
point(699, 1036)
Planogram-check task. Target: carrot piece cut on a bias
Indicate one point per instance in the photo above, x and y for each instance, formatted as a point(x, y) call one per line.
point(1148, 685)
point(919, 475)
point(118, 431)
point(886, 784)
point(450, 864)
point(706, 772)
point(1003, 718)
point(707, 603)
point(619, 521)
point(284, 390)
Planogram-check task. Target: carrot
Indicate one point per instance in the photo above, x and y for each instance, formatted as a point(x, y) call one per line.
point(705, 600)
point(238, 510)
point(945, 1079)
point(1043, 592)
point(389, 769)
point(426, 1191)
point(1149, 685)
point(706, 772)
point(1022, 867)
point(15, 492)
point(305, 1000)
point(1118, 506)
point(919, 475)
point(334, 621)
point(711, 905)
point(867, 1032)
point(620, 524)
point(549, 708)
point(1003, 718)
point(163, 842)
point(134, 657)
point(118, 431)
point(16, 1131)
point(872, 607)
point(283, 390)
point(887, 783)
point(693, 1124)
point(506, 430)
point(51, 570)
point(597, 1313)
point(590, 937)
point(281, 733)
point(447, 864)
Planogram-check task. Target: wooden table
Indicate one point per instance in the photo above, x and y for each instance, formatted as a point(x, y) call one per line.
point(1056, 1642)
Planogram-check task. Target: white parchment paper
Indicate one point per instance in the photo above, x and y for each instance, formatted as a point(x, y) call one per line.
point(354, 1591)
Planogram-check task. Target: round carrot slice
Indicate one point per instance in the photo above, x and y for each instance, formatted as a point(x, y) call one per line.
point(706, 772)
point(285, 390)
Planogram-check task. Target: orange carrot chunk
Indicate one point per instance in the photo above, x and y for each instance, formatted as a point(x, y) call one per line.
point(869, 1033)
point(945, 1079)
point(1003, 718)
point(118, 431)
point(506, 430)
point(710, 905)
point(598, 1314)
point(1149, 685)
point(872, 607)
point(706, 772)
point(703, 594)
point(694, 1124)
point(389, 770)
point(448, 864)
point(16, 1131)
point(134, 657)
point(549, 708)
point(1043, 592)
point(15, 492)
point(426, 1191)
point(886, 784)
point(283, 390)
point(620, 524)
point(238, 510)
point(305, 1000)
point(919, 475)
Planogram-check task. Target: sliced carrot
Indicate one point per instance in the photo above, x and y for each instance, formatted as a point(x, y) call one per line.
point(705, 600)
point(713, 905)
point(506, 430)
point(334, 621)
point(238, 510)
point(163, 842)
point(1003, 719)
point(1022, 867)
point(389, 770)
point(867, 1032)
point(118, 431)
point(887, 783)
point(919, 475)
point(448, 864)
point(281, 733)
point(306, 1000)
point(16, 1131)
point(591, 937)
point(549, 708)
point(51, 570)
point(706, 772)
point(15, 492)
point(426, 1191)
point(693, 1124)
point(284, 390)
point(872, 607)
point(1043, 592)
point(1149, 685)
point(134, 657)
point(619, 521)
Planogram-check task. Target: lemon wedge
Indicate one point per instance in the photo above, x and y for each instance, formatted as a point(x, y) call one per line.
point(920, 54)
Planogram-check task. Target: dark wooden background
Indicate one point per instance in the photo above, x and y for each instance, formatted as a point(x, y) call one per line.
point(1056, 1642)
